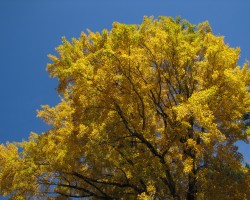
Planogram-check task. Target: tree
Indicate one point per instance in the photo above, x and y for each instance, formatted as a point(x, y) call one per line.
point(148, 111)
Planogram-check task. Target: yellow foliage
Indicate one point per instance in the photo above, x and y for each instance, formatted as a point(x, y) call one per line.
point(149, 111)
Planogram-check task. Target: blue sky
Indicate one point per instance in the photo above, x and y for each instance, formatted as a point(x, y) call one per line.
point(31, 29)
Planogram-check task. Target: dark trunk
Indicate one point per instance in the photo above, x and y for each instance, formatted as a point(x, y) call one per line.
point(191, 194)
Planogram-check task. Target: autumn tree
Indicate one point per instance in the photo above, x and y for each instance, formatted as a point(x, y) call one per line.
point(149, 111)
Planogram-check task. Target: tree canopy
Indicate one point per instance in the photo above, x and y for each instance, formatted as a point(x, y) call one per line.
point(149, 111)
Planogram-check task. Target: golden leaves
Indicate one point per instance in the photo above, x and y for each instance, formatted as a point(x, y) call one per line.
point(144, 109)
point(188, 165)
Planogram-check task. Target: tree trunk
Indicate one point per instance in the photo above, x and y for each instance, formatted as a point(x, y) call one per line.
point(191, 194)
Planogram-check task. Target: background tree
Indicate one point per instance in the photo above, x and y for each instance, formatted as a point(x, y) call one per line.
point(148, 111)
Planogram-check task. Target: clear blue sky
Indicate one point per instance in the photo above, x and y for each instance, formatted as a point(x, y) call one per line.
point(31, 29)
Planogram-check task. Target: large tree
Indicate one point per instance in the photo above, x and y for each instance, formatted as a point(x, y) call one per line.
point(150, 111)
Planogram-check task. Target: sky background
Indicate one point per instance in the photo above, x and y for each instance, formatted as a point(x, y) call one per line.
point(32, 29)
